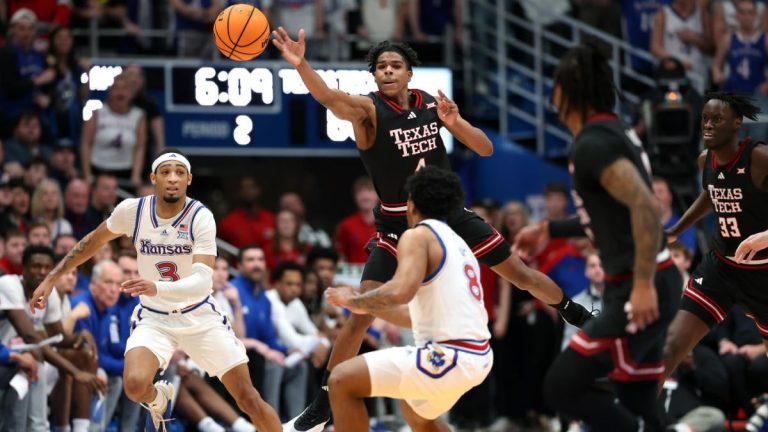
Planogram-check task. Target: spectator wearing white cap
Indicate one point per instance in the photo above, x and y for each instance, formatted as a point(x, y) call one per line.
point(23, 72)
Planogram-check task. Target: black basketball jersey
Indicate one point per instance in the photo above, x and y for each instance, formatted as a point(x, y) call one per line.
point(602, 141)
point(405, 141)
point(741, 209)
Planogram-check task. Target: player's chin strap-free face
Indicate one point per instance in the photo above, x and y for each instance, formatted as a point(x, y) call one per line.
point(171, 157)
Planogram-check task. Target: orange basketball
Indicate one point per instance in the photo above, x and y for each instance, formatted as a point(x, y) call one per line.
point(241, 32)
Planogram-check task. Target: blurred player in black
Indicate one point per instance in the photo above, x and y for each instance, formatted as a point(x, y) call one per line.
point(735, 188)
point(616, 209)
point(396, 133)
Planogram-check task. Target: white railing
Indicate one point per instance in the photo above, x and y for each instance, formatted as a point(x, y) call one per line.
point(499, 73)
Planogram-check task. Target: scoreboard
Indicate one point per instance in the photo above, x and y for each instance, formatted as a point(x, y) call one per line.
point(252, 108)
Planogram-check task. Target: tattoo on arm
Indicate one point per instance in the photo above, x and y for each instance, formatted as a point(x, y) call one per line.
point(73, 255)
point(377, 299)
point(622, 180)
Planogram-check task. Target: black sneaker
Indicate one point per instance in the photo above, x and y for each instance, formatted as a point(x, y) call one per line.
point(312, 419)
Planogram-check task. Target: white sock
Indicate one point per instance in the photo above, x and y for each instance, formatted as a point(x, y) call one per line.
point(209, 425)
point(80, 425)
point(242, 425)
point(160, 402)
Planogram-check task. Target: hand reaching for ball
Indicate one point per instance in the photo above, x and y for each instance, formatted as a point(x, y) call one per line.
point(292, 51)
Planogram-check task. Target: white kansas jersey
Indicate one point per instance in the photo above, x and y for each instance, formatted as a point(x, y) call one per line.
point(164, 247)
point(449, 304)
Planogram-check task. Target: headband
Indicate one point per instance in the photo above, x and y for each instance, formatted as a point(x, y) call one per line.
point(165, 157)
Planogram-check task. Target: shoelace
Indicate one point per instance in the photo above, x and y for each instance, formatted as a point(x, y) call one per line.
point(158, 418)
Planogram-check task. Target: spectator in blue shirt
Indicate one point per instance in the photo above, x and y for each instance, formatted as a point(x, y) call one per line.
point(9, 360)
point(257, 310)
point(104, 291)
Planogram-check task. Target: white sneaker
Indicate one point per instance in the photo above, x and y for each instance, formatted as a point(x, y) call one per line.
point(159, 416)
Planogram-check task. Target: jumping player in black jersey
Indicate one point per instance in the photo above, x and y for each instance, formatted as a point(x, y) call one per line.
point(616, 209)
point(735, 188)
point(396, 132)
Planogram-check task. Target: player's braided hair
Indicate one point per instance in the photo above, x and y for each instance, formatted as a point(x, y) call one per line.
point(409, 55)
point(435, 192)
point(586, 81)
point(740, 104)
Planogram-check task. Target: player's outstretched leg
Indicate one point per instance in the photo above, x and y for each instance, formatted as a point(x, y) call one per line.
point(238, 383)
point(347, 345)
point(141, 364)
point(348, 385)
point(420, 424)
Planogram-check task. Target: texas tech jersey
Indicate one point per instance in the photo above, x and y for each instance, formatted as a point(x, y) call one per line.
point(165, 247)
point(741, 209)
point(602, 141)
point(405, 141)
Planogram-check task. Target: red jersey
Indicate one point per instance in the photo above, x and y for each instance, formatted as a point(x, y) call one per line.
point(10, 268)
point(47, 11)
point(241, 228)
point(352, 235)
point(273, 258)
point(490, 281)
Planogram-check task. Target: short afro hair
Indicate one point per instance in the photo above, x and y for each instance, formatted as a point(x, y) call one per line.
point(286, 266)
point(409, 55)
point(29, 251)
point(435, 192)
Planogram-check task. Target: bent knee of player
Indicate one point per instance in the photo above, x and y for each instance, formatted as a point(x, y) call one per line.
point(136, 384)
point(350, 378)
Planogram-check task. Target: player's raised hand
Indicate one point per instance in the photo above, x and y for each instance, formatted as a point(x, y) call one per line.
point(137, 287)
point(530, 240)
point(40, 296)
point(447, 109)
point(342, 296)
point(643, 306)
point(292, 51)
point(750, 246)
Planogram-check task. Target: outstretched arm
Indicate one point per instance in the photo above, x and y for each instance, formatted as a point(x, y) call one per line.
point(471, 136)
point(81, 253)
point(412, 258)
point(343, 106)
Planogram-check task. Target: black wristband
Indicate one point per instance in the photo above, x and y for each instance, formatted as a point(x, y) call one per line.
point(570, 227)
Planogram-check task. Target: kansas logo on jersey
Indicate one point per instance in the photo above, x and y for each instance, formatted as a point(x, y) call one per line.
point(436, 359)
point(146, 247)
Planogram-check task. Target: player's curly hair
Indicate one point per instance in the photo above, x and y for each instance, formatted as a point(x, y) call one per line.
point(586, 81)
point(741, 105)
point(435, 192)
point(409, 55)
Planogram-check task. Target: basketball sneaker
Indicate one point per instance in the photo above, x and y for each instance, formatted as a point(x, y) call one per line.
point(312, 419)
point(161, 414)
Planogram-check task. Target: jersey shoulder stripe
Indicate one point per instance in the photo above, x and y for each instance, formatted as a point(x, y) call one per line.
point(137, 222)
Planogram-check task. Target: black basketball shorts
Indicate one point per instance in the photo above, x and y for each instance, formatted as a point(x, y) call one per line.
point(638, 356)
point(718, 283)
point(486, 243)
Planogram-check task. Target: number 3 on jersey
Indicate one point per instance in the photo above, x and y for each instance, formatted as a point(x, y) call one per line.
point(729, 227)
point(474, 283)
point(168, 271)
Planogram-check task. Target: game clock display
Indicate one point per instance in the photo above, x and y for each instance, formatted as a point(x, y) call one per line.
point(225, 87)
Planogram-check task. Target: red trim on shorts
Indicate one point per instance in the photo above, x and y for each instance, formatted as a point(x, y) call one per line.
point(704, 301)
point(627, 276)
point(488, 244)
point(737, 265)
point(762, 328)
point(386, 244)
point(390, 213)
point(625, 369)
point(735, 160)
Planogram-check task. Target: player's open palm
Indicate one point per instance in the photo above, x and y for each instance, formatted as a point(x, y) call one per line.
point(342, 297)
point(530, 240)
point(751, 246)
point(292, 51)
point(643, 307)
point(137, 287)
point(447, 109)
point(40, 296)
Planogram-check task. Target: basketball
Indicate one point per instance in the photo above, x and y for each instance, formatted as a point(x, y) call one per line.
point(241, 32)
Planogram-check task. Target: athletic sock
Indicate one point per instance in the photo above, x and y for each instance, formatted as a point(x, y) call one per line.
point(209, 425)
point(242, 425)
point(80, 425)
